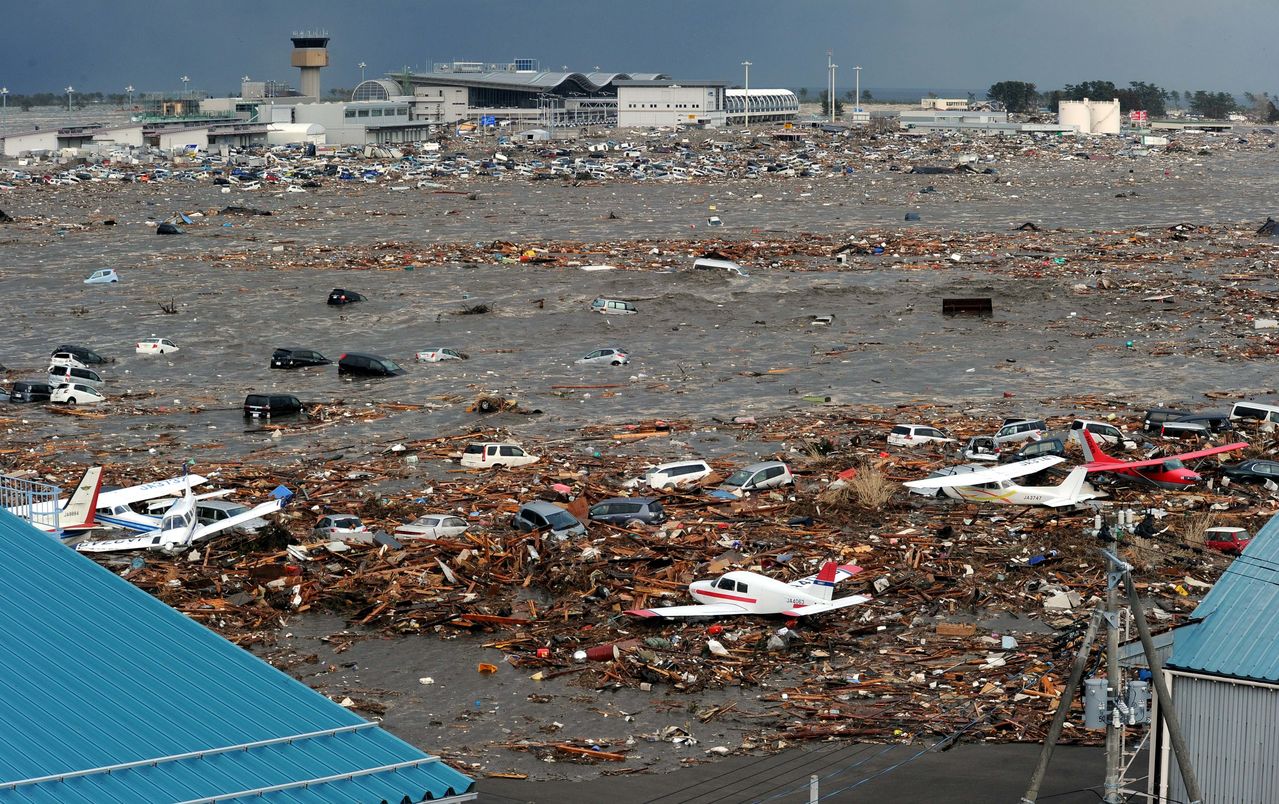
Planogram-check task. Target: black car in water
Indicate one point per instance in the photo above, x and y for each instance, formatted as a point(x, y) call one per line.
point(291, 357)
point(267, 405)
point(339, 296)
point(368, 365)
point(82, 353)
point(30, 391)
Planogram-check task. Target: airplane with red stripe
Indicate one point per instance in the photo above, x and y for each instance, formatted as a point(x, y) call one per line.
point(1166, 473)
point(742, 592)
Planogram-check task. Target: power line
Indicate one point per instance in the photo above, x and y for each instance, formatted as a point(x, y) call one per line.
point(782, 760)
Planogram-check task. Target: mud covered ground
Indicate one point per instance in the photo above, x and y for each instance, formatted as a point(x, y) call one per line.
point(1107, 301)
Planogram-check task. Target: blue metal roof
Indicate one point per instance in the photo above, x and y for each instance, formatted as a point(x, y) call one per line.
point(1239, 618)
point(109, 695)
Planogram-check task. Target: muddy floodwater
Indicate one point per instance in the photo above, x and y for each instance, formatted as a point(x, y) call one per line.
point(1170, 323)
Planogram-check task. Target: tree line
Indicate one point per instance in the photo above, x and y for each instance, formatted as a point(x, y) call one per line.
point(1023, 96)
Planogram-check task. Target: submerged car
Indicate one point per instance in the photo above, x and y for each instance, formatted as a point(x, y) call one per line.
point(339, 297)
point(539, 515)
point(290, 357)
point(756, 477)
point(614, 357)
point(30, 391)
point(912, 435)
point(339, 526)
point(156, 346)
point(676, 473)
point(613, 307)
point(368, 365)
point(87, 376)
point(481, 455)
point(82, 353)
point(1257, 470)
point(432, 526)
point(981, 448)
point(267, 405)
point(1227, 539)
point(436, 354)
point(106, 276)
point(74, 393)
point(626, 510)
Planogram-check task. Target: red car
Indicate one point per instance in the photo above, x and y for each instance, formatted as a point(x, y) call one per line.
point(1227, 539)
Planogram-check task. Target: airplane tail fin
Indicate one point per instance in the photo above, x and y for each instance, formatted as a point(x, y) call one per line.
point(1092, 450)
point(1068, 492)
point(78, 513)
point(823, 586)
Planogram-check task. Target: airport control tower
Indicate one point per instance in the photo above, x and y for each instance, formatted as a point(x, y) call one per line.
point(310, 53)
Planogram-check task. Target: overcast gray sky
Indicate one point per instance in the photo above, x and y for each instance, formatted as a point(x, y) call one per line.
point(1178, 44)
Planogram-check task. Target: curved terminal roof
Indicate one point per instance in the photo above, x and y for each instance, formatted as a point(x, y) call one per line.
point(530, 81)
point(376, 89)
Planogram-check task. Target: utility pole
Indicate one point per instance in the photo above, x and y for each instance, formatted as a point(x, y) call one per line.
point(857, 102)
point(362, 65)
point(129, 90)
point(4, 108)
point(830, 83)
point(747, 65)
point(69, 91)
point(1114, 728)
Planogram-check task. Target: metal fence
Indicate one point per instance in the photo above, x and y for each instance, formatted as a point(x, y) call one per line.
point(31, 500)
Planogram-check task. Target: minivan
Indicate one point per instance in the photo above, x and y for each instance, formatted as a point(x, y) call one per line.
point(268, 405)
point(30, 391)
point(72, 374)
point(676, 473)
point(625, 510)
point(1101, 431)
point(757, 476)
point(1024, 430)
point(368, 365)
point(1255, 411)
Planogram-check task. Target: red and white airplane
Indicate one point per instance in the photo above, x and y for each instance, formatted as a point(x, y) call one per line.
point(1166, 473)
point(741, 592)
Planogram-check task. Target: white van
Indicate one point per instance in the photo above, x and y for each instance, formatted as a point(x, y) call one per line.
point(73, 374)
point(1021, 430)
point(1105, 434)
point(676, 473)
point(1255, 411)
point(482, 456)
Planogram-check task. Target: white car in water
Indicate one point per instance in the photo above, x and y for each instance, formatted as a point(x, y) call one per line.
point(437, 353)
point(613, 357)
point(156, 346)
point(73, 393)
point(432, 526)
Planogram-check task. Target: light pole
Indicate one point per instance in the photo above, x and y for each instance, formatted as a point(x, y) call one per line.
point(857, 93)
point(833, 68)
point(69, 91)
point(4, 105)
point(362, 65)
point(185, 81)
point(747, 65)
point(129, 91)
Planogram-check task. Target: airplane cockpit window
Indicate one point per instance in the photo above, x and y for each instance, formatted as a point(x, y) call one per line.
point(741, 587)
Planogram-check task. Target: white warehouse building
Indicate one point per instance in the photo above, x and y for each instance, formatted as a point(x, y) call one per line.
point(767, 105)
point(663, 102)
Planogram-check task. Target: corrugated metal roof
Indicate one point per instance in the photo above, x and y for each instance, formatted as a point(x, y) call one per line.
point(1239, 625)
point(96, 674)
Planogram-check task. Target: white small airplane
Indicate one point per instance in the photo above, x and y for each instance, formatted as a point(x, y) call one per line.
point(994, 484)
point(74, 514)
point(114, 506)
point(178, 528)
point(741, 592)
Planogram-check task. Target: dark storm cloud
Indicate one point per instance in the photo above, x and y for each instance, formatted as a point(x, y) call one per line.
point(905, 43)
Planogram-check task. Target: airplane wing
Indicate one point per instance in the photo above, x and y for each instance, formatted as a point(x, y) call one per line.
point(150, 539)
point(265, 509)
point(818, 608)
point(148, 491)
point(993, 474)
point(842, 572)
point(1098, 466)
point(701, 610)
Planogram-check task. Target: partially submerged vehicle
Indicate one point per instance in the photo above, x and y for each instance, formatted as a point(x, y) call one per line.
point(611, 356)
point(341, 296)
point(756, 477)
point(432, 526)
point(436, 354)
point(613, 307)
point(104, 276)
point(481, 455)
point(156, 346)
point(541, 515)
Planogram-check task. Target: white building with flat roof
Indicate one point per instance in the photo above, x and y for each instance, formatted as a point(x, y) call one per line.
point(662, 102)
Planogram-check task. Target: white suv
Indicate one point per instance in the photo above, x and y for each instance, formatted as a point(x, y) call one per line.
point(912, 435)
point(676, 473)
point(482, 456)
point(1020, 430)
